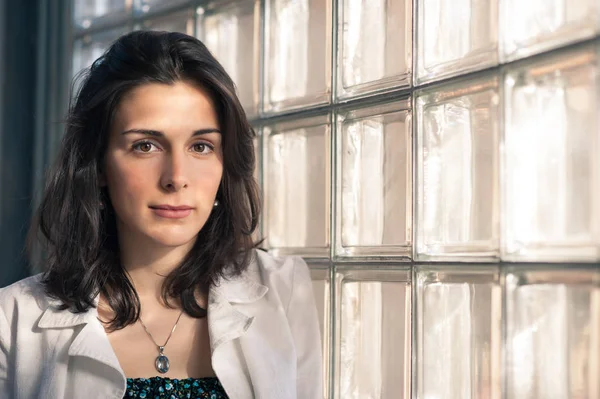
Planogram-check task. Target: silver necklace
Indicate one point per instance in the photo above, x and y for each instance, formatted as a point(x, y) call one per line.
point(162, 361)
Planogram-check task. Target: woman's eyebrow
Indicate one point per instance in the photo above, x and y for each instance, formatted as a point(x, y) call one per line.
point(156, 133)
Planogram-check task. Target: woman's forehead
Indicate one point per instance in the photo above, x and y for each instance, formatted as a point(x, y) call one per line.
point(162, 107)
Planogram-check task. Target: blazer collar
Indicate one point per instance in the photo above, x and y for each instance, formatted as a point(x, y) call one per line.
point(229, 314)
point(91, 342)
point(225, 320)
point(53, 317)
point(240, 289)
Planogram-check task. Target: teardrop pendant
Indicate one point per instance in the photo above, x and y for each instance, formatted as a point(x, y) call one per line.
point(162, 362)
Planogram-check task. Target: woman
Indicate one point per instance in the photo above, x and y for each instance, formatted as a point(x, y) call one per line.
point(153, 285)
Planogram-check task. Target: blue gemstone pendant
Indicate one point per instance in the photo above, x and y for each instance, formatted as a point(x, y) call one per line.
point(162, 362)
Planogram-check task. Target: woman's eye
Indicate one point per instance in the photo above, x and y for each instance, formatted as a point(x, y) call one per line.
point(144, 146)
point(202, 148)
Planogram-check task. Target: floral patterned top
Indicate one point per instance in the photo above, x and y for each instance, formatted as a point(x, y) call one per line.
point(166, 388)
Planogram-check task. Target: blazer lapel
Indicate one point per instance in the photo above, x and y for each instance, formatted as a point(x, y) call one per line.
point(229, 318)
point(91, 342)
point(225, 321)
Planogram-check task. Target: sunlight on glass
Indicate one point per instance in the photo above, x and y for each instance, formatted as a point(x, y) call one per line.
point(376, 196)
point(544, 24)
point(290, 52)
point(455, 37)
point(458, 342)
point(552, 171)
point(297, 184)
point(457, 171)
point(375, 44)
point(373, 351)
point(297, 53)
point(553, 334)
point(230, 35)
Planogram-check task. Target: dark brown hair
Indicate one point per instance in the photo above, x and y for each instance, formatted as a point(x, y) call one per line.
point(80, 239)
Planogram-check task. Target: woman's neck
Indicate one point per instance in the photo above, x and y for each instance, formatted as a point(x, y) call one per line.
point(148, 266)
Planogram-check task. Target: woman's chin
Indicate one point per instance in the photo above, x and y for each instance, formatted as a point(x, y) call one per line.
point(173, 240)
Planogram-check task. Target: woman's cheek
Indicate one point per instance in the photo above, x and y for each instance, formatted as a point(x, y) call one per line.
point(130, 184)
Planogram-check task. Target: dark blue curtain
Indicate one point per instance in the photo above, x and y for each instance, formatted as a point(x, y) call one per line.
point(18, 48)
point(35, 68)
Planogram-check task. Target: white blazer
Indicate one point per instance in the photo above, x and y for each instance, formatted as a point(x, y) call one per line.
point(263, 328)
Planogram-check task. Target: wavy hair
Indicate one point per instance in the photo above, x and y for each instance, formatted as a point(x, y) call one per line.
point(79, 238)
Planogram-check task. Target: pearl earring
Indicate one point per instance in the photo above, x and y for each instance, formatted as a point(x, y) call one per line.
point(216, 204)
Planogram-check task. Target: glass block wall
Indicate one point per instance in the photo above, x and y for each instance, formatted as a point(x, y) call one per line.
point(436, 162)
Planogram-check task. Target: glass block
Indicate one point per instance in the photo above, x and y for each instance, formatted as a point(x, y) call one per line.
point(296, 167)
point(457, 176)
point(552, 333)
point(90, 47)
point(181, 21)
point(455, 37)
point(541, 25)
point(321, 281)
point(373, 330)
point(374, 200)
point(459, 312)
point(297, 53)
point(88, 13)
point(551, 169)
point(375, 48)
point(141, 7)
point(231, 33)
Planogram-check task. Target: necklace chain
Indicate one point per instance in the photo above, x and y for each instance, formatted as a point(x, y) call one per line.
point(161, 347)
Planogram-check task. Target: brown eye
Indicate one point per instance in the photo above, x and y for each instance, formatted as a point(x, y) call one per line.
point(202, 148)
point(144, 146)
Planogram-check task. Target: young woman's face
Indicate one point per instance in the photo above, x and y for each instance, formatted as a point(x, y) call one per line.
point(164, 163)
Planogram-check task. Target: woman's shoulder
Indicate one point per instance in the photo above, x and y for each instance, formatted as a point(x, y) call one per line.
point(284, 274)
point(264, 273)
point(27, 295)
point(276, 264)
point(270, 266)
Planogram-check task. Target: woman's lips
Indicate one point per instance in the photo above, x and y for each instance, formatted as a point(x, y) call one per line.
point(171, 212)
